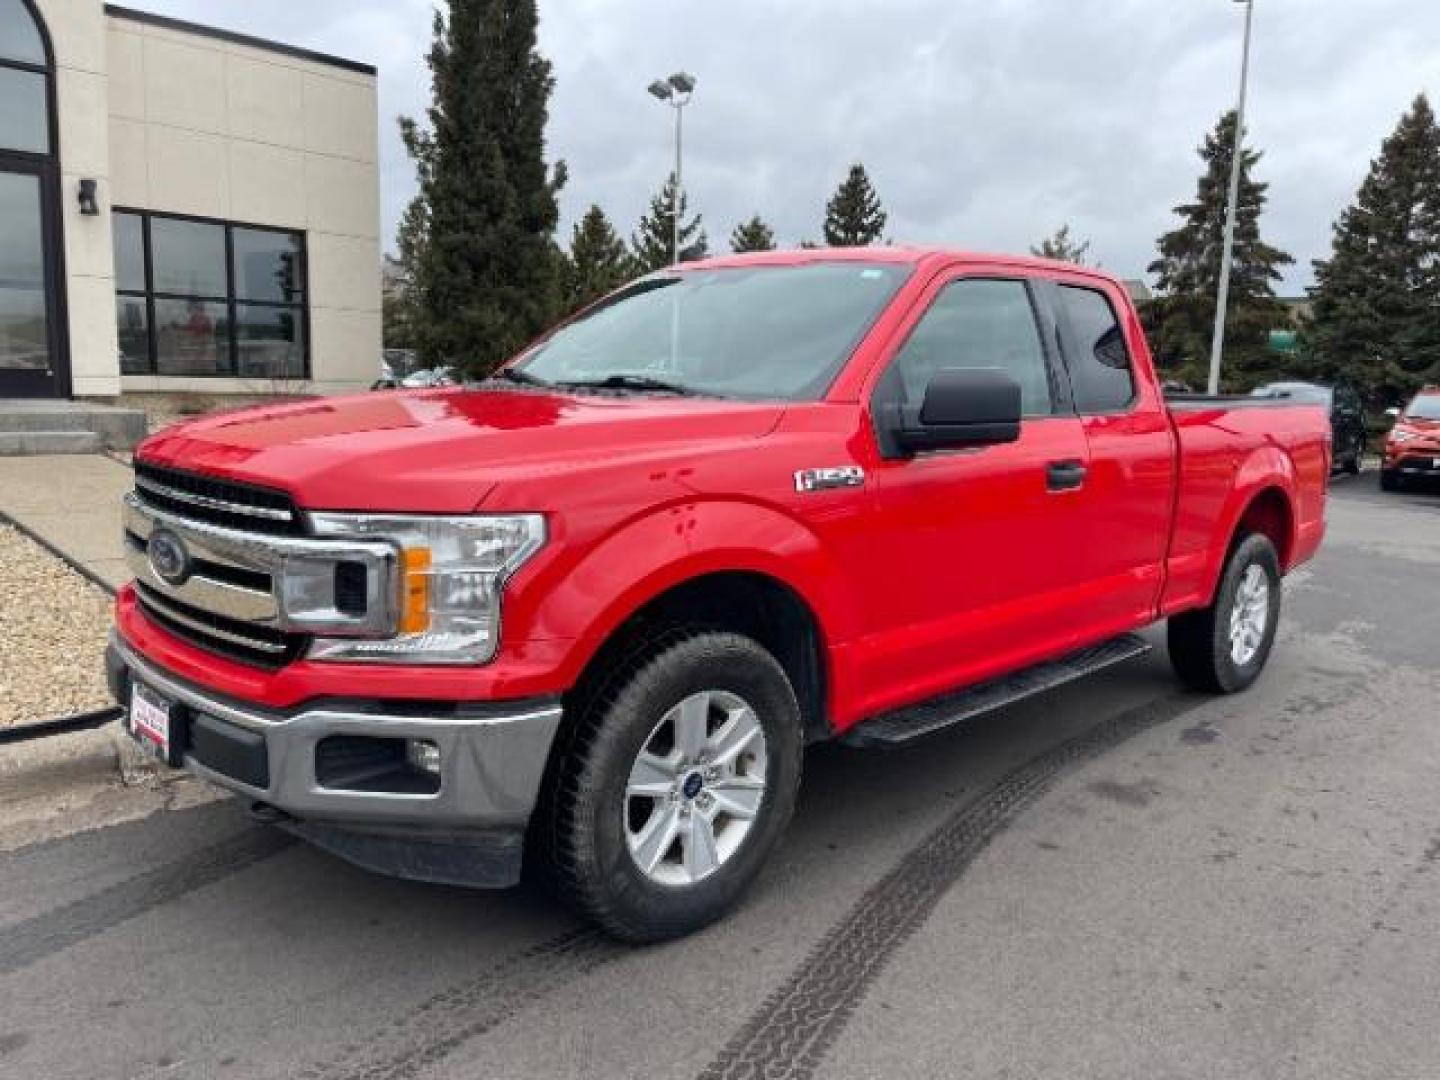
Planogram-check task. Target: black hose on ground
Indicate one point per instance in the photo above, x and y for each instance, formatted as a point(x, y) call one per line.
point(65, 725)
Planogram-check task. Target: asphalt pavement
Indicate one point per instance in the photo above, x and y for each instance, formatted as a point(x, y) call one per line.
point(1117, 879)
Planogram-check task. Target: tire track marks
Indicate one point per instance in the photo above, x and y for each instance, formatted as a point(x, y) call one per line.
point(432, 1030)
point(31, 940)
point(788, 1036)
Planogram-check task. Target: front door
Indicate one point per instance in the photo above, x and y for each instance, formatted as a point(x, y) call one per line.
point(30, 360)
point(978, 573)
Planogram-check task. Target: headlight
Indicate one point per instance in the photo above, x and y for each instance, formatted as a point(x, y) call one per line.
point(1401, 435)
point(451, 570)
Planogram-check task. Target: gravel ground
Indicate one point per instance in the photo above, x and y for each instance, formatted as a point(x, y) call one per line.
point(52, 638)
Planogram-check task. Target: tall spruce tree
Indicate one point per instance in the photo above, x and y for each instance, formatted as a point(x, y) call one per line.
point(652, 243)
point(853, 216)
point(752, 235)
point(1180, 321)
point(484, 271)
point(598, 261)
point(1376, 301)
point(1062, 248)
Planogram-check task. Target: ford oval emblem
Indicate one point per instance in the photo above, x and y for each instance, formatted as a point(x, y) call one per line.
point(168, 557)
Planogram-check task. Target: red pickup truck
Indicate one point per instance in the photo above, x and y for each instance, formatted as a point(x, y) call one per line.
point(587, 614)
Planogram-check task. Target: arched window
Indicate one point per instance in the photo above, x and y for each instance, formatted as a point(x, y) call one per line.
point(33, 358)
point(24, 81)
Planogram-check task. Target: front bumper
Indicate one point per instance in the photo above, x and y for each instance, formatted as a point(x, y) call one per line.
point(468, 829)
point(1417, 461)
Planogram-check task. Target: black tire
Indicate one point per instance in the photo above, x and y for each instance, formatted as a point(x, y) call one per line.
point(583, 836)
point(1356, 461)
point(1389, 480)
point(1200, 645)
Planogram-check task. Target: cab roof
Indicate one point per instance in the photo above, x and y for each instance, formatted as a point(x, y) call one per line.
point(902, 254)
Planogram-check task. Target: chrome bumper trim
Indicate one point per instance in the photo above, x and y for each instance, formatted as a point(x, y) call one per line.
point(492, 764)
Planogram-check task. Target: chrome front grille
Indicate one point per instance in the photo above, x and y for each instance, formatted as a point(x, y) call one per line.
point(257, 591)
point(238, 640)
point(218, 502)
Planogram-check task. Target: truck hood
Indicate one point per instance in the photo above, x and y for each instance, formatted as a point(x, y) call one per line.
point(442, 451)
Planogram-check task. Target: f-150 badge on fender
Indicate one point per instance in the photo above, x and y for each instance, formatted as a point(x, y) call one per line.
point(838, 476)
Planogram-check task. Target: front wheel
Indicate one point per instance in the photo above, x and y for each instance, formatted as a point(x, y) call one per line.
point(1223, 648)
point(1389, 480)
point(675, 784)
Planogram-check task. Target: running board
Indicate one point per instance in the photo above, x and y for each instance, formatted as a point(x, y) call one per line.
point(915, 722)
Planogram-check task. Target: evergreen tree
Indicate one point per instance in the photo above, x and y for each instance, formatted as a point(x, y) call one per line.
point(598, 261)
point(752, 235)
point(1376, 314)
point(1181, 320)
point(652, 244)
point(401, 316)
point(853, 216)
point(484, 268)
point(1060, 247)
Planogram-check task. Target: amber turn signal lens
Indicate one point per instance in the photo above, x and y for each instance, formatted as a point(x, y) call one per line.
point(415, 599)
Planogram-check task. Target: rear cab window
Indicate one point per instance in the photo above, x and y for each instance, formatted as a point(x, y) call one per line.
point(1101, 369)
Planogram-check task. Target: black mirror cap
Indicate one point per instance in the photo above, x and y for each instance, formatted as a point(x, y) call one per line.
point(965, 396)
point(964, 407)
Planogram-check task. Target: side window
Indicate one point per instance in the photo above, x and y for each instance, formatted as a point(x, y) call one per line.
point(1101, 374)
point(977, 323)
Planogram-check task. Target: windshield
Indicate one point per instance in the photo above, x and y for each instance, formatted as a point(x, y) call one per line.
point(1424, 407)
point(747, 332)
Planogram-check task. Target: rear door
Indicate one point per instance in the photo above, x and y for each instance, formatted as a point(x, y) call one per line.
point(1123, 531)
point(974, 564)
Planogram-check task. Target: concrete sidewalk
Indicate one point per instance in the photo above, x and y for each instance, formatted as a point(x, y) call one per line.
point(73, 504)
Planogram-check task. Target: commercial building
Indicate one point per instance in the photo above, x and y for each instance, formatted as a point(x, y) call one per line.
point(182, 208)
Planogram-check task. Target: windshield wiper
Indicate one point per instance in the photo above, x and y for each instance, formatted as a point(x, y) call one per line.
point(517, 375)
point(633, 382)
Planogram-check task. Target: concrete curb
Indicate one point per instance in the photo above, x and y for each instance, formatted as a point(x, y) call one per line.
point(44, 764)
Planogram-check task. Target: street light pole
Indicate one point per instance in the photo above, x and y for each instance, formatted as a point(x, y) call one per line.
point(676, 92)
point(679, 187)
point(1217, 340)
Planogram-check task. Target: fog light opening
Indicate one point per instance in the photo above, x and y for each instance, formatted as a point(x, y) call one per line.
point(424, 755)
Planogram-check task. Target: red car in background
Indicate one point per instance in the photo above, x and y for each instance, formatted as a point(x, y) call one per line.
point(1412, 450)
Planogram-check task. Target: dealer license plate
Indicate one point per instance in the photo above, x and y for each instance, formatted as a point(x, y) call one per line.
point(150, 720)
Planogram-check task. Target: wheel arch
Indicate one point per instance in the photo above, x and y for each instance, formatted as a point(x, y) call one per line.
point(751, 602)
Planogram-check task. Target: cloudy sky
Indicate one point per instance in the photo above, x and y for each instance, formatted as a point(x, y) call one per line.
point(983, 123)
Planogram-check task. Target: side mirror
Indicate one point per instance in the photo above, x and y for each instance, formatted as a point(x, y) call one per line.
point(962, 407)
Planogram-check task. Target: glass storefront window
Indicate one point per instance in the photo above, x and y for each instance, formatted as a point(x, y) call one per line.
point(193, 311)
point(24, 117)
point(192, 337)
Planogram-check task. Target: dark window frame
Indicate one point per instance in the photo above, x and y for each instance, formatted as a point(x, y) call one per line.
point(230, 299)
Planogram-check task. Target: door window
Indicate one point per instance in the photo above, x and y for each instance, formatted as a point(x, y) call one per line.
point(977, 323)
point(1100, 372)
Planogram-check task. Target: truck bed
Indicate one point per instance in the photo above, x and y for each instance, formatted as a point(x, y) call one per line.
point(1227, 444)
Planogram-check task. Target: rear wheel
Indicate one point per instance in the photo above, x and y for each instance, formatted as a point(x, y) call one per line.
point(675, 784)
point(1223, 648)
